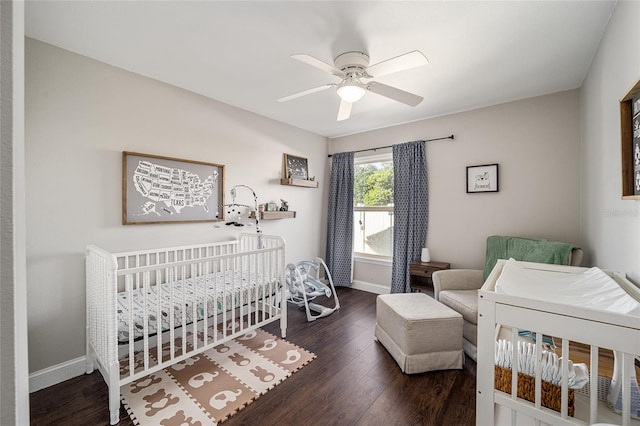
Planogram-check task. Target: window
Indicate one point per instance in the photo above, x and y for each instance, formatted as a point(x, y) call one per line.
point(373, 207)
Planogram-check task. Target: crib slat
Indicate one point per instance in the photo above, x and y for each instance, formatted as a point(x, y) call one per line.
point(259, 289)
point(564, 401)
point(183, 323)
point(194, 322)
point(627, 364)
point(241, 296)
point(145, 320)
point(129, 293)
point(172, 322)
point(158, 284)
point(593, 382)
point(538, 371)
point(514, 374)
point(224, 299)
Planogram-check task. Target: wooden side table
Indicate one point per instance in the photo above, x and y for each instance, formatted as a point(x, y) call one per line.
point(420, 275)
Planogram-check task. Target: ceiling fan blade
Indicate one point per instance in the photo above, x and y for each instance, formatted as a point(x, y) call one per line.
point(314, 62)
point(344, 112)
point(399, 63)
point(394, 93)
point(306, 92)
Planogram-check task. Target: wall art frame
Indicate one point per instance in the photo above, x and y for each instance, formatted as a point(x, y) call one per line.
point(630, 143)
point(158, 189)
point(296, 167)
point(482, 178)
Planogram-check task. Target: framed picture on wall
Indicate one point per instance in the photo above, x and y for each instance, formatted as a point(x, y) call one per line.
point(296, 167)
point(158, 189)
point(630, 143)
point(483, 178)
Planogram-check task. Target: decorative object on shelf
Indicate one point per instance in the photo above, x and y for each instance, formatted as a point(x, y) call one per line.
point(271, 207)
point(630, 143)
point(235, 208)
point(157, 189)
point(425, 256)
point(483, 178)
point(296, 167)
point(284, 207)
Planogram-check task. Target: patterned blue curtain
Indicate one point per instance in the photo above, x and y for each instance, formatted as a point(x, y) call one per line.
point(410, 210)
point(340, 219)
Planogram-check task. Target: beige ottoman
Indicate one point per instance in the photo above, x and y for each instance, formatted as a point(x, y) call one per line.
point(420, 333)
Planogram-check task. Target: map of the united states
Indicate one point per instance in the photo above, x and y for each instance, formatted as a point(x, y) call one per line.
point(176, 188)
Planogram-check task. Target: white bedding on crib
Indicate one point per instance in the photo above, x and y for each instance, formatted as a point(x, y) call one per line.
point(592, 288)
point(220, 286)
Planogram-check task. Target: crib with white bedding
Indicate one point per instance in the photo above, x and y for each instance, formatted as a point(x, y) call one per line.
point(149, 309)
point(597, 323)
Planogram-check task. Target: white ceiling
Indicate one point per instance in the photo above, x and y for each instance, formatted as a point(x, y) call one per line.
point(238, 52)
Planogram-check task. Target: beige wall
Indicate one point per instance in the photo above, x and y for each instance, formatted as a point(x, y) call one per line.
point(610, 226)
point(80, 115)
point(536, 143)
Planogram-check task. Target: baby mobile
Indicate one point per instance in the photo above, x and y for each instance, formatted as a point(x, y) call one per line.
point(235, 210)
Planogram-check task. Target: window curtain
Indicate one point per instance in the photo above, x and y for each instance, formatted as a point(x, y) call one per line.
point(410, 210)
point(340, 219)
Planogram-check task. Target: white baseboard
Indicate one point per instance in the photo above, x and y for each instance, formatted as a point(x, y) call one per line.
point(370, 287)
point(57, 374)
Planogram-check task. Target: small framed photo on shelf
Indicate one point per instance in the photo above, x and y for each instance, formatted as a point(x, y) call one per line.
point(483, 178)
point(296, 167)
point(271, 207)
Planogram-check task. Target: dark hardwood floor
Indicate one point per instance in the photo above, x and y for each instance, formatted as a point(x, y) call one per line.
point(353, 381)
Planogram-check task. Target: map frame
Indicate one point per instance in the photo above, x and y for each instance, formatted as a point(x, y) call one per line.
point(197, 193)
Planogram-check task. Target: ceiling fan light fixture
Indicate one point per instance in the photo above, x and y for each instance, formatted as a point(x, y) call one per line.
point(350, 93)
point(352, 67)
point(350, 90)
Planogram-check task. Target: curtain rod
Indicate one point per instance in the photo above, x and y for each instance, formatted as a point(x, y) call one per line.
point(390, 146)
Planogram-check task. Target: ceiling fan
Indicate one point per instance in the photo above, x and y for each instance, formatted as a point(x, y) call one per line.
point(352, 68)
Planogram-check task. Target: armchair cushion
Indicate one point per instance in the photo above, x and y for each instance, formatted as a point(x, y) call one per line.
point(464, 302)
point(456, 279)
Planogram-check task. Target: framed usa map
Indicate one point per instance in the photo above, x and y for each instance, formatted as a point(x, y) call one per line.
point(158, 189)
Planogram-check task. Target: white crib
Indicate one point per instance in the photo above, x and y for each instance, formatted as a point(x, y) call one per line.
point(197, 297)
point(597, 329)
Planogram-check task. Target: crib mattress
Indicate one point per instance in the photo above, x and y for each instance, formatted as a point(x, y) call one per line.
point(224, 291)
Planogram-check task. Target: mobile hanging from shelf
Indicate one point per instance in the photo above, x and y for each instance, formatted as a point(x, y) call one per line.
point(391, 146)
